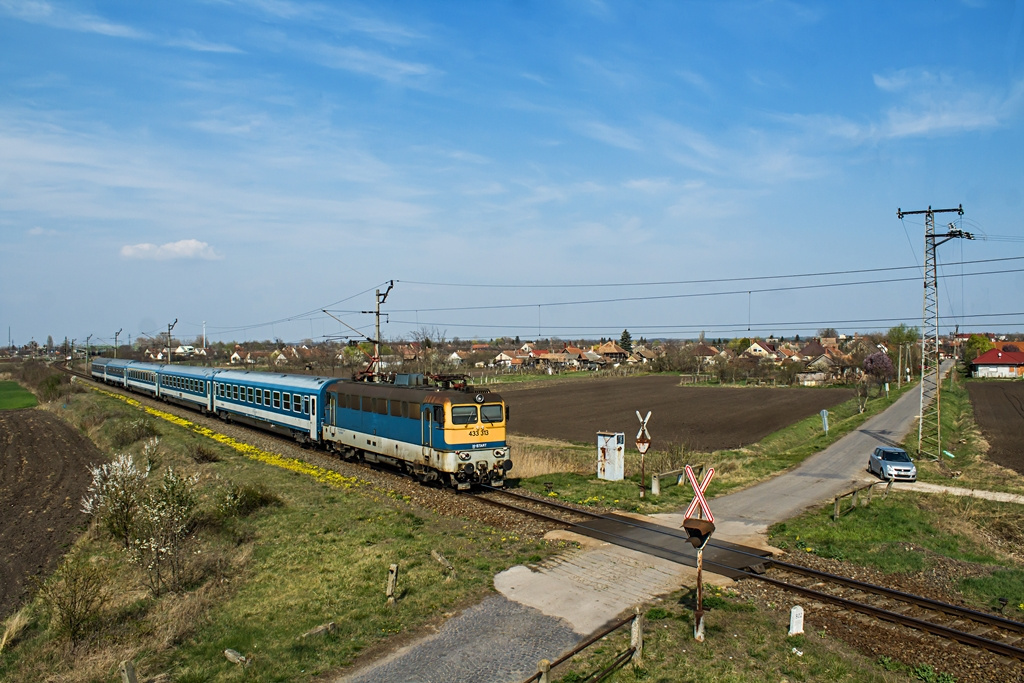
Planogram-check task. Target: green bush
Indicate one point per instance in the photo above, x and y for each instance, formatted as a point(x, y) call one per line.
point(74, 597)
point(123, 433)
point(240, 500)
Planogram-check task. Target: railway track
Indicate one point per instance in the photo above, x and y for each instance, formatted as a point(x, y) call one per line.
point(987, 631)
point(983, 630)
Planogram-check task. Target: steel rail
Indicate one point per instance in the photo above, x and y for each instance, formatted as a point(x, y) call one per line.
point(878, 612)
point(928, 603)
point(883, 591)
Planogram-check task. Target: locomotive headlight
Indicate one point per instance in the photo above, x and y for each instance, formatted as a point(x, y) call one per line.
point(464, 455)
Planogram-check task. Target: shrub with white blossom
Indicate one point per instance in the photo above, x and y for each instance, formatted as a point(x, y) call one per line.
point(162, 530)
point(114, 496)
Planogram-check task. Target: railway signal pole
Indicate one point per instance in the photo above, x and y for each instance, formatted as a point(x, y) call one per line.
point(116, 335)
point(928, 428)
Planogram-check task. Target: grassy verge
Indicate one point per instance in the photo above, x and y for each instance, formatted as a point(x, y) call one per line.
point(314, 548)
point(14, 397)
point(962, 437)
point(909, 533)
point(743, 643)
point(734, 469)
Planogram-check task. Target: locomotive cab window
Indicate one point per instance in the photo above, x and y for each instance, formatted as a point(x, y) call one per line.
point(464, 415)
point(491, 412)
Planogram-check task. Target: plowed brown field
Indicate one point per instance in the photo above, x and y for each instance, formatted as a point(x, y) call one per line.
point(697, 418)
point(43, 474)
point(999, 411)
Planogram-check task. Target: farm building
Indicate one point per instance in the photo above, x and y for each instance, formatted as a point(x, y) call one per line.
point(996, 363)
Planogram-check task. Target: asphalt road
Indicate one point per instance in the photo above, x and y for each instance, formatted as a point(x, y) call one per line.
point(542, 613)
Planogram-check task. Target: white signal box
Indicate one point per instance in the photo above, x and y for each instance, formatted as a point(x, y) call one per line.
point(611, 456)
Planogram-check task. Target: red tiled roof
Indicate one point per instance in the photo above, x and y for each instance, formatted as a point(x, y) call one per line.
point(997, 357)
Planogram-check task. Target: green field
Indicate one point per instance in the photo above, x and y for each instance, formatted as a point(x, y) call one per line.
point(14, 397)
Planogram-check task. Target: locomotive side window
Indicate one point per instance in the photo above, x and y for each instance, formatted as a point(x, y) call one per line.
point(414, 411)
point(367, 403)
point(382, 406)
point(396, 408)
point(490, 412)
point(464, 415)
point(439, 415)
point(277, 399)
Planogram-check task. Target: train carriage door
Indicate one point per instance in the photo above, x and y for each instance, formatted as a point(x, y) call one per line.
point(426, 428)
point(313, 419)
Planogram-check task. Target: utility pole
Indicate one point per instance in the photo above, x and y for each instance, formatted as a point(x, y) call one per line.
point(380, 298)
point(169, 328)
point(929, 440)
point(116, 335)
point(204, 336)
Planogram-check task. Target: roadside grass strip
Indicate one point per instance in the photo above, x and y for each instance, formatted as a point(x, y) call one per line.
point(320, 474)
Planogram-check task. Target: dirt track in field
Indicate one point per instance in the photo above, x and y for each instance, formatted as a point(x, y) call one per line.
point(43, 474)
point(999, 411)
point(698, 418)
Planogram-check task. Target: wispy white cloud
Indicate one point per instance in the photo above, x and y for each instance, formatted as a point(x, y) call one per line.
point(182, 249)
point(48, 14)
point(367, 62)
point(38, 231)
point(616, 137)
point(190, 40)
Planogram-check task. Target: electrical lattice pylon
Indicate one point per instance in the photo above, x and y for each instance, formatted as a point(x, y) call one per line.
point(929, 440)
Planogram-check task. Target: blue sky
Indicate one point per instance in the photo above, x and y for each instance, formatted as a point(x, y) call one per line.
point(564, 168)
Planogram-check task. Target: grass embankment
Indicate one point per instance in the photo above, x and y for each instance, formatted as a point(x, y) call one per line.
point(734, 469)
point(15, 397)
point(743, 642)
point(960, 436)
point(274, 552)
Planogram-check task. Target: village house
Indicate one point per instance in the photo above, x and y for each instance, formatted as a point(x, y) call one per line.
point(998, 363)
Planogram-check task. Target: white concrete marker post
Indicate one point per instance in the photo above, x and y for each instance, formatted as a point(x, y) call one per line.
point(796, 620)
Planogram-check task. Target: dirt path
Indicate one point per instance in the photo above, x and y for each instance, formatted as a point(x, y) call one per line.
point(43, 474)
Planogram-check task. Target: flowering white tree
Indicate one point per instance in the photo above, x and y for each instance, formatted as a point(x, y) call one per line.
point(162, 530)
point(114, 495)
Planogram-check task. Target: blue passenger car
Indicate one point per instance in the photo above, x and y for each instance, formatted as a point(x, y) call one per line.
point(287, 404)
point(190, 386)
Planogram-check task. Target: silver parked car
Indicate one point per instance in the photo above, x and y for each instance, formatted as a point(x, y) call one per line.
point(892, 463)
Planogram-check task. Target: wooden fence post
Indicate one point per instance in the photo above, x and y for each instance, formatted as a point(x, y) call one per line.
point(392, 583)
point(128, 672)
point(636, 637)
point(544, 669)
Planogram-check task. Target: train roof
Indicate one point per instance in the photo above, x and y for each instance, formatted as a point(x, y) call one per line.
point(275, 378)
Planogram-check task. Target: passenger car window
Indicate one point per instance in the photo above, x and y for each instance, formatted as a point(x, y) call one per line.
point(287, 401)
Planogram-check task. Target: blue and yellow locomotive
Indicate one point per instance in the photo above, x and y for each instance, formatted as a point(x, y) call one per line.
point(447, 433)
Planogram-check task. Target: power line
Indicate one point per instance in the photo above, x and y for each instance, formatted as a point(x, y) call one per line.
point(691, 295)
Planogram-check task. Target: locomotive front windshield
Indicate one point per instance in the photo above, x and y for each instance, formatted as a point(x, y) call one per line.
point(464, 415)
point(491, 412)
